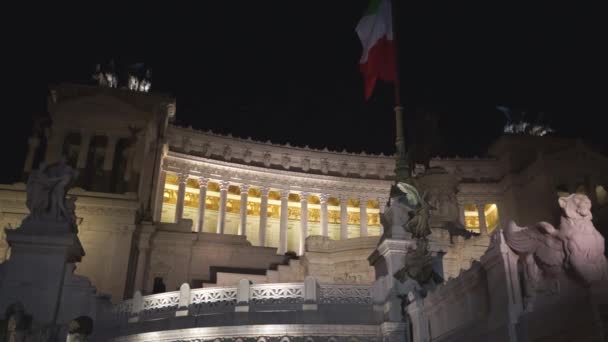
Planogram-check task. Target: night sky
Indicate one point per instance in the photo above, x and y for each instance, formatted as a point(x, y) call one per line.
point(288, 70)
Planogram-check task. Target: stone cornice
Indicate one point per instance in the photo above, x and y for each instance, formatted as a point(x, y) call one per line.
point(278, 179)
point(275, 156)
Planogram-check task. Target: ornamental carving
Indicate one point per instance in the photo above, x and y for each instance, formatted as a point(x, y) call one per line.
point(206, 150)
point(277, 294)
point(362, 169)
point(305, 164)
point(267, 159)
point(247, 156)
point(186, 144)
point(324, 166)
point(227, 154)
point(344, 168)
point(286, 162)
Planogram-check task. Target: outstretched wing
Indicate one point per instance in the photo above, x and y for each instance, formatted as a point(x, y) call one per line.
point(540, 241)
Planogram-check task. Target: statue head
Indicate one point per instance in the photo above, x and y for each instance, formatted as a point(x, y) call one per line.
point(576, 206)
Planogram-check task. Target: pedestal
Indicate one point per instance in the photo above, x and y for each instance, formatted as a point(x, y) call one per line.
point(388, 292)
point(41, 257)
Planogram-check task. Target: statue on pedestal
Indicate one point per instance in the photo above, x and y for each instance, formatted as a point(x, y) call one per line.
point(46, 193)
point(418, 262)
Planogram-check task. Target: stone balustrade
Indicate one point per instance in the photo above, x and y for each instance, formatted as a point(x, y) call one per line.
point(244, 298)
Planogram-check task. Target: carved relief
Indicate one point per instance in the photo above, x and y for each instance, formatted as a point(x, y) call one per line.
point(286, 162)
point(206, 150)
point(324, 166)
point(362, 169)
point(227, 155)
point(247, 156)
point(267, 158)
point(344, 168)
point(305, 164)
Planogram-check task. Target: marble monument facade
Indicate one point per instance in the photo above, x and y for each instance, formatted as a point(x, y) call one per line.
point(163, 202)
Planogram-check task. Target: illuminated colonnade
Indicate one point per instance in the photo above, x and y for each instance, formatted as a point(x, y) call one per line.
point(281, 209)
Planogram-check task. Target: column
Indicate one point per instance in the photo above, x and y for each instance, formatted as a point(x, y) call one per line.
point(83, 153)
point(159, 191)
point(263, 215)
point(108, 159)
point(147, 229)
point(303, 222)
point(343, 217)
point(181, 193)
point(202, 197)
point(461, 217)
point(243, 222)
point(382, 204)
point(324, 227)
point(482, 218)
point(221, 217)
point(363, 215)
point(283, 227)
point(33, 143)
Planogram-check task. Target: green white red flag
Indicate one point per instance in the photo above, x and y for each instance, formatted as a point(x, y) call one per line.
point(375, 30)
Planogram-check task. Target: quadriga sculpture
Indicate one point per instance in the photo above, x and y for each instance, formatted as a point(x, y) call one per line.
point(576, 249)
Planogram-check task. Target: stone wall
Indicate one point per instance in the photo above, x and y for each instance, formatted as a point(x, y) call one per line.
point(181, 257)
point(340, 261)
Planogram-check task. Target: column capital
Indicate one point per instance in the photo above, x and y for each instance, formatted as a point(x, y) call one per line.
point(304, 196)
point(343, 197)
point(264, 191)
point(244, 188)
point(323, 198)
point(363, 200)
point(284, 193)
point(224, 185)
point(203, 182)
point(182, 177)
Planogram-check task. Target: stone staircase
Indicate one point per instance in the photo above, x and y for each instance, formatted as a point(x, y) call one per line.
point(293, 271)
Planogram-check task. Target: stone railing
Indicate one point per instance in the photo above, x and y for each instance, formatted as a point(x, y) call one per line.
point(244, 298)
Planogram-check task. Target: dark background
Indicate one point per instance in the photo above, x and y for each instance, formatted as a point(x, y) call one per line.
point(288, 70)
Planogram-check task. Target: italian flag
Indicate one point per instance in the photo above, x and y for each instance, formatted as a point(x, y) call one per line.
point(375, 31)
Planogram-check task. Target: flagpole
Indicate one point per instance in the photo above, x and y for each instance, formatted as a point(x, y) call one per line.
point(402, 165)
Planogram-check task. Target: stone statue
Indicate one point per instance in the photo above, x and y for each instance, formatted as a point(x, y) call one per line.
point(412, 212)
point(576, 249)
point(46, 193)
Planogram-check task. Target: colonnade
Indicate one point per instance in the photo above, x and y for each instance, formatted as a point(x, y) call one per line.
point(264, 191)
